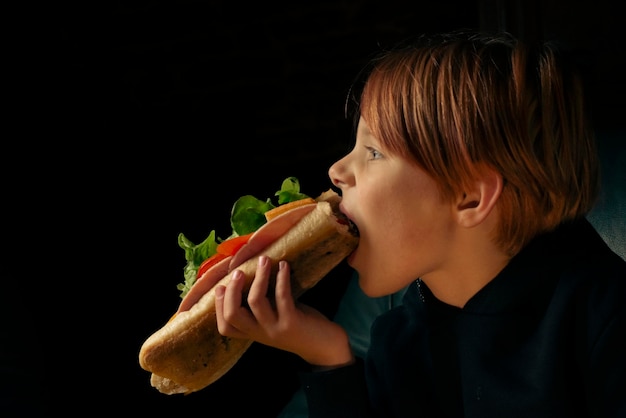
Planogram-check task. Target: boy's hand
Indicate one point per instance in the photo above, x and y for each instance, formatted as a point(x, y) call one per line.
point(282, 324)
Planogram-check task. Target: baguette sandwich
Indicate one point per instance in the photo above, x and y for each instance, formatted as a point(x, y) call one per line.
point(187, 354)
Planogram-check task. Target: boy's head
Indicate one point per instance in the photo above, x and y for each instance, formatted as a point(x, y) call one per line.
point(458, 102)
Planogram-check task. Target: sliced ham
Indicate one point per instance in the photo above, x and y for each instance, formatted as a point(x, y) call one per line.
point(269, 233)
point(204, 283)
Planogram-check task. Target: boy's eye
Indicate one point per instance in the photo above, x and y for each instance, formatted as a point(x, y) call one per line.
point(374, 153)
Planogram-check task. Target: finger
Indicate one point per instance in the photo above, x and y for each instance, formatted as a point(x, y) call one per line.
point(257, 297)
point(223, 327)
point(235, 315)
point(284, 298)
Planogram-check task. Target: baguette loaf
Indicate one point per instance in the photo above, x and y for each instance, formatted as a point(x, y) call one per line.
point(188, 353)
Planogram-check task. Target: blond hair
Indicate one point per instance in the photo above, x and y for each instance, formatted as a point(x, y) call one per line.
point(463, 101)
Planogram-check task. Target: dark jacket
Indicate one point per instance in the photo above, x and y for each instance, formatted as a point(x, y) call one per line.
point(545, 338)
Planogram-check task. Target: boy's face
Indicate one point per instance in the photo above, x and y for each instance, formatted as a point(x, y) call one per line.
point(404, 224)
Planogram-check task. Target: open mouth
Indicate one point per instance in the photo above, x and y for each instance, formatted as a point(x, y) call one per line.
point(353, 228)
point(344, 220)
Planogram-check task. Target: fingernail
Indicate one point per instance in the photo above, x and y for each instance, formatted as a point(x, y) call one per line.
point(263, 260)
point(237, 274)
point(282, 264)
point(219, 291)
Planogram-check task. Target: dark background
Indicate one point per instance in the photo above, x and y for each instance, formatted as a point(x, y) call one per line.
point(136, 121)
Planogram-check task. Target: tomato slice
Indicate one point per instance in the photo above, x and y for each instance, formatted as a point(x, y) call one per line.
point(224, 249)
point(210, 262)
point(232, 245)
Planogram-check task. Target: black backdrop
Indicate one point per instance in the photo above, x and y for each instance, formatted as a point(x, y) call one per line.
point(141, 120)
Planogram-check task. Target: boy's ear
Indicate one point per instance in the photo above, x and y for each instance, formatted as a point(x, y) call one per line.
point(476, 204)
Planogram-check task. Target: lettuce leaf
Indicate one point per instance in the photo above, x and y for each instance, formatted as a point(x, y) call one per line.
point(289, 191)
point(248, 214)
point(195, 255)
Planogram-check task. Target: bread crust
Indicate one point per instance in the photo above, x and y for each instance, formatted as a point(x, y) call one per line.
point(187, 354)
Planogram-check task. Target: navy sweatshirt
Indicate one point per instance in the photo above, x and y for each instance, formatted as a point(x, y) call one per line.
point(545, 338)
